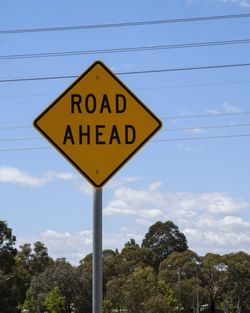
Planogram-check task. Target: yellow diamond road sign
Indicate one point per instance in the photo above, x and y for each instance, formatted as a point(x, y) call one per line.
point(97, 124)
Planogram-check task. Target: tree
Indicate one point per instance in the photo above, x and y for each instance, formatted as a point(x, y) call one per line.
point(238, 280)
point(29, 262)
point(107, 306)
point(109, 267)
point(130, 243)
point(115, 293)
point(214, 273)
point(40, 259)
point(139, 287)
point(8, 299)
point(133, 256)
point(164, 238)
point(54, 301)
point(141, 292)
point(22, 271)
point(181, 270)
point(7, 250)
point(61, 275)
point(163, 301)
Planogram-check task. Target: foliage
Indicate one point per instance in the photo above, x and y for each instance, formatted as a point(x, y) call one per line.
point(61, 275)
point(7, 250)
point(164, 238)
point(133, 256)
point(54, 301)
point(238, 281)
point(107, 306)
point(181, 270)
point(160, 276)
point(214, 273)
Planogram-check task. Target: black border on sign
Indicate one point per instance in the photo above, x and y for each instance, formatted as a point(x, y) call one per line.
point(35, 124)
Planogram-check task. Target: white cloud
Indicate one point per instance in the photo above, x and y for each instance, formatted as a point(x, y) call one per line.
point(123, 181)
point(86, 188)
point(226, 108)
point(151, 203)
point(75, 246)
point(65, 176)
point(196, 131)
point(242, 3)
point(155, 185)
point(213, 112)
point(144, 203)
point(220, 203)
point(15, 176)
point(211, 221)
point(219, 235)
point(229, 108)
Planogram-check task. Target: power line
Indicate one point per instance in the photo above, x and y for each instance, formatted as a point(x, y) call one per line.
point(178, 69)
point(185, 69)
point(204, 115)
point(174, 117)
point(126, 49)
point(207, 127)
point(242, 82)
point(124, 24)
point(156, 141)
point(164, 130)
point(200, 138)
point(14, 127)
point(20, 139)
point(25, 149)
point(194, 85)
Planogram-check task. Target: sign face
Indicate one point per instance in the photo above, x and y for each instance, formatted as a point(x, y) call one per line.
point(97, 124)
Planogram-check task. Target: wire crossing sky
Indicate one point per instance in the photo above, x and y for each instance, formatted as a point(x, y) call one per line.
point(208, 67)
point(128, 49)
point(125, 24)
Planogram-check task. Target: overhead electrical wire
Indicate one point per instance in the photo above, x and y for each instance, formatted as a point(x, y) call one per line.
point(243, 82)
point(204, 115)
point(174, 117)
point(203, 137)
point(20, 139)
point(124, 24)
point(156, 141)
point(163, 130)
point(205, 127)
point(126, 49)
point(14, 127)
point(195, 68)
point(177, 69)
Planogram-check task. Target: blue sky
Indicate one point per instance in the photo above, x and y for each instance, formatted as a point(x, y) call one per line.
point(202, 185)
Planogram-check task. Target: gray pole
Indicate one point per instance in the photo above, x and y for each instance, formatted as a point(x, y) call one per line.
point(97, 252)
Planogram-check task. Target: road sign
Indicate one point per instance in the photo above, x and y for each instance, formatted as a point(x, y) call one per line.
point(97, 124)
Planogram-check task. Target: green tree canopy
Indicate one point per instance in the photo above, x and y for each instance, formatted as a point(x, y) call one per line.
point(214, 273)
point(164, 238)
point(7, 249)
point(238, 280)
point(54, 301)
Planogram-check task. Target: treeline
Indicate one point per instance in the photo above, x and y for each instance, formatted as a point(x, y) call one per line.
point(159, 276)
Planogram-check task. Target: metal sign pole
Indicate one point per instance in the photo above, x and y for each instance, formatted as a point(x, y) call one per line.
point(97, 252)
